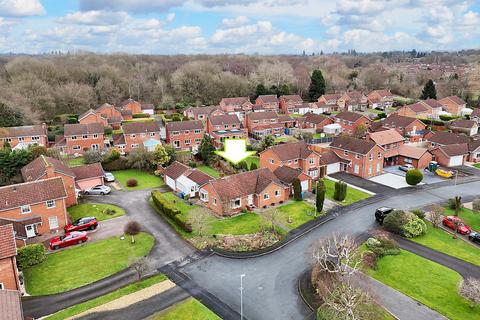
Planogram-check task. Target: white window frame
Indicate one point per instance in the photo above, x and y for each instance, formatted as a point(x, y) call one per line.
point(277, 193)
point(370, 169)
point(76, 147)
point(134, 146)
point(379, 155)
point(133, 135)
point(175, 133)
point(356, 169)
point(25, 209)
point(49, 204)
point(36, 138)
point(152, 134)
point(271, 161)
point(370, 157)
point(50, 222)
point(197, 131)
point(214, 201)
point(345, 152)
point(95, 136)
point(266, 196)
point(84, 136)
point(204, 196)
point(357, 156)
point(187, 142)
point(73, 137)
point(1, 286)
point(21, 138)
point(234, 206)
point(311, 161)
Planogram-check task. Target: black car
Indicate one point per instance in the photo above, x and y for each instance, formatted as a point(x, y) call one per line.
point(380, 213)
point(474, 237)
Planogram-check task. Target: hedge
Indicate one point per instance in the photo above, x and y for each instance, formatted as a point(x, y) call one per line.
point(117, 164)
point(170, 210)
point(140, 115)
point(31, 255)
point(432, 121)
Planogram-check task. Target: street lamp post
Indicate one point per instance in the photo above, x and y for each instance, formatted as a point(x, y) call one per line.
point(241, 296)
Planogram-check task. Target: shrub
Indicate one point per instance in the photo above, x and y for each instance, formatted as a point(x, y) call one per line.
point(414, 228)
point(31, 255)
point(414, 177)
point(405, 224)
point(132, 183)
point(383, 246)
point(112, 155)
point(340, 191)
point(445, 117)
point(109, 211)
point(369, 259)
point(140, 115)
point(192, 164)
point(170, 210)
point(117, 164)
point(419, 213)
point(107, 130)
point(253, 166)
point(476, 205)
point(455, 204)
point(92, 156)
point(297, 189)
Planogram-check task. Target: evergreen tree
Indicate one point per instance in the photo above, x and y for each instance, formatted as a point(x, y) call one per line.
point(260, 90)
point(317, 85)
point(297, 190)
point(320, 194)
point(429, 91)
point(253, 166)
point(340, 191)
point(206, 149)
point(10, 117)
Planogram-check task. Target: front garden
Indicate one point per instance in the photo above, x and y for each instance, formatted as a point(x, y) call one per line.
point(144, 180)
point(98, 210)
point(295, 213)
point(186, 310)
point(353, 195)
point(83, 264)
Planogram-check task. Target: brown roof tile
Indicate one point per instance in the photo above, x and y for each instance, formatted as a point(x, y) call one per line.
point(287, 175)
point(140, 127)
point(455, 100)
point(184, 125)
point(224, 119)
point(79, 129)
point(411, 151)
point(398, 121)
point(327, 156)
point(446, 138)
point(417, 107)
point(453, 150)
point(349, 116)
point(16, 195)
point(11, 132)
point(263, 115)
point(432, 103)
point(292, 98)
point(352, 144)
point(291, 151)
point(199, 177)
point(315, 118)
point(462, 123)
point(268, 98)
point(202, 110)
point(11, 305)
point(175, 170)
point(237, 101)
point(37, 168)
point(7, 242)
point(386, 137)
point(88, 171)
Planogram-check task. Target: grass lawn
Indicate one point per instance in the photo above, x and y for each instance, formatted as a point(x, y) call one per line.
point(90, 304)
point(246, 223)
point(251, 160)
point(75, 162)
point(145, 179)
point(353, 195)
point(285, 139)
point(470, 217)
point(84, 264)
point(297, 211)
point(375, 111)
point(317, 136)
point(426, 281)
point(96, 210)
point(477, 165)
point(188, 309)
point(209, 170)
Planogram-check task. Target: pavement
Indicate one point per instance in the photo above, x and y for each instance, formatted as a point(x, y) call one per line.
point(271, 280)
point(362, 183)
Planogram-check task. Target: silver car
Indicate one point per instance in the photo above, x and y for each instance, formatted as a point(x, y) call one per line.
point(98, 190)
point(108, 177)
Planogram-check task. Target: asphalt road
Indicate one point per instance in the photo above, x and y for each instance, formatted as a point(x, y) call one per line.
point(270, 290)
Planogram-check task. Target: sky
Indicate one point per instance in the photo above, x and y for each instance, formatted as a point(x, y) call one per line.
point(235, 26)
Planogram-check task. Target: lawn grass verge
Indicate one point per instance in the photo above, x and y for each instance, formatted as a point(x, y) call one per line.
point(75, 162)
point(209, 170)
point(428, 282)
point(145, 180)
point(90, 304)
point(97, 210)
point(299, 213)
point(470, 217)
point(285, 139)
point(188, 309)
point(353, 195)
point(83, 264)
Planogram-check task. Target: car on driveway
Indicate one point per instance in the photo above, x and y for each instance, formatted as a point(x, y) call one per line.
point(453, 223)
point(82, 224)
point(108, 177)
point(98, 190)
point(474, 237)
point(68, 239)
point(406, 167)
point(381, 213)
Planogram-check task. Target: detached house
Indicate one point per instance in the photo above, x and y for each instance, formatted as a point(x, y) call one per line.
point(132, 106)
point(330, 100)
point(238, 106)
point(185, 180)
point(469, 127)
point(365, 157)
point(106, 114)
point(442, 138)
point(22, 137)
point(201, 113)
point(410, 128)
point(290, 103)
point(353, 101)
point(269, 102)
point(380, 99)
point(294, 155)
point(351, 121)
point(223, 127)
point(260, 124)
point(389, 140)
point(91, 116)
point(451, 155)
point(185, 135)
point(453, 105)
point(8, 263)
point(314, 121)
point(34, 208)
point(230, 195)
point(138, 134)
point(79, 138)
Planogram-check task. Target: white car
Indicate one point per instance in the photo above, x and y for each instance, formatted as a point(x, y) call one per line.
point(406, 167)
point(108, 177)
point(98, 190)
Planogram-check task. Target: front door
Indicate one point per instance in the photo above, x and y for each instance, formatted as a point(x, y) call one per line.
point(30, 230)
point(250, 199)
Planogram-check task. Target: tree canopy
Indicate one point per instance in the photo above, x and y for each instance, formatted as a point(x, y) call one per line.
point(317, 85)
point(429, 91)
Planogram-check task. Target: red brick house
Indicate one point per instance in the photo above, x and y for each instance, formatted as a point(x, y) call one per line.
point(350, 121)
point(416, 156)
point(389, 140)
point(443, 138)
point(353, 101)
point(34, 208)
point(381, 99)
point(293, 155)
point(474, 151)
point(416, 110)
point(269, 102)
point(365, 157)
point(106, 114)
point(8, 264)
point(138, 134)
point(330, 100)
point(82, 137)
point(201, 113)
point(239, 106)
point(223, 127)
point(260, 124)
point(22, 137)
point(230, 195)
point(410, 128)
point(92, 116)
point(451, 155)
point(288, 176)
point(286, 120)
point(453, 105)
point(131, 105)
point(290, 103)
point(469, 127)
point(314, 121)
point(185, 135)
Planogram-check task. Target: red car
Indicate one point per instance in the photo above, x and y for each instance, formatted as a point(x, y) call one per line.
point(82, 224)
point(451, 221)
point(68, 239)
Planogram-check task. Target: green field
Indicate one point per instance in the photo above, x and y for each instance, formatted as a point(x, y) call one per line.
point(83, 264)
point(209, 170)
point(189, 309)
point(353, 195)
point(97, 210)
point(90, 304)
point(145, 180)
point(426, 281)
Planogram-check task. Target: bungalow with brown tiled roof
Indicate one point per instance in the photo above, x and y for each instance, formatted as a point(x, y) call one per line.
point(451, 155)
point(8, 263)
point(389, 140)
point(185, 180)
point(22, 137)
point(469, 127)
point(453, 105)
point(138, 134)
point(201, 113)
point(380, 99)
point(36, 207)
point(260, 124)
point(82, 137)
point(350, 121)
point(474, 151)
point(290, 103)
point(230, 195)
point(314, 121)
point(416, 110)
point(475, 115)
point(226, 126)
point(185, 135)
point(269, 102)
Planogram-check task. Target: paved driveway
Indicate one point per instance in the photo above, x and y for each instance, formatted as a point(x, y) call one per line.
point(270, 283)
point(428, 177)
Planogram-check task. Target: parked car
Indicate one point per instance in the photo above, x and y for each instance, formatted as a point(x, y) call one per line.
point(68, 239)
point(406, 167)
point(98, 190)
point(82, 224)
point(381, 213)
point(451, 221)
point(108, 177)
point(474, 237)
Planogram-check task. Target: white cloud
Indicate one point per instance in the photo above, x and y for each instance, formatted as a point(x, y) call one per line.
point(21, 8)
point(94, 18)
point(235, 22)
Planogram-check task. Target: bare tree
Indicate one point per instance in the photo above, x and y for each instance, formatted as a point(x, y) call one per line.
point(344, 301)
point(436, 215)
point(337, 254)
point(199, 220)
point(470, 289)
point(271, 215)
point(140, 266)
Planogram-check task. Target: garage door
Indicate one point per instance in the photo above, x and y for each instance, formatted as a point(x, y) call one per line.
point(304, 185)
point(456, 161)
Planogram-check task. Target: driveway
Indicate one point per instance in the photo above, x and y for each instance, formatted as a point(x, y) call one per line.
point(270, 283)
point(391, 180)
point(371, 186)
point(428, 177)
